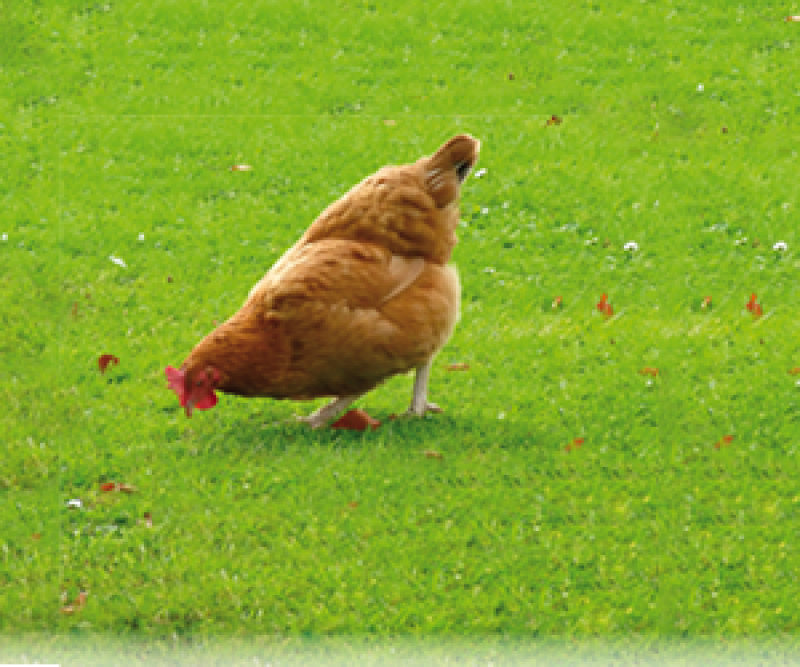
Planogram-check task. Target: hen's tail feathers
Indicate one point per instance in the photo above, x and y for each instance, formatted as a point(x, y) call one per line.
point(449, 166)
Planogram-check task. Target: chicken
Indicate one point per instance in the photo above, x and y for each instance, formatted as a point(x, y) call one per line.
point(365, 294)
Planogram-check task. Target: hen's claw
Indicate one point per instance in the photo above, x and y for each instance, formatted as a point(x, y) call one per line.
point(422, 409)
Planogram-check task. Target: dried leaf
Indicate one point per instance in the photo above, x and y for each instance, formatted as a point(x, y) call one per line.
point(554, 120)
point(36, 536)
point(577, 442)
point(795, 371)
point(389, 122)
point(148, 519)
point(458, 367)
point(108, 486)
point(649, 371)
point(706, 302)
point(241, 167)
point(352, 504)
point(75, 310)
point(105, 360)
point(432, 454)
point(356, 420)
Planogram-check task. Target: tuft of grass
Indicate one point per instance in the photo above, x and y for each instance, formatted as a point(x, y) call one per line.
point(119, 128)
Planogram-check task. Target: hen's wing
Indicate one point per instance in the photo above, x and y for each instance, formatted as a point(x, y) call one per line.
point(351, 314)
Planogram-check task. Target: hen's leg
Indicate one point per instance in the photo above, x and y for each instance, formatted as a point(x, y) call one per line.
point(419, 403)
point(326, 413)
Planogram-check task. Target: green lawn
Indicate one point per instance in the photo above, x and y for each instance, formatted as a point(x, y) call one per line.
point(675, 519)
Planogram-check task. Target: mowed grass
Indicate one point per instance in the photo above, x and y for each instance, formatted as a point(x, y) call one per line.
point(675, 516)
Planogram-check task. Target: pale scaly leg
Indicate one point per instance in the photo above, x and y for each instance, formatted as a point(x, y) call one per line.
point(328, 412)
point(419, 403)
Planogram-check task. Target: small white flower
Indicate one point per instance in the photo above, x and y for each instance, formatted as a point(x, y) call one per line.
point(480, 173)
point(75, 504)
point(485, 211)
point(591, 241)
point(4, 237)
point(502, 415)
point(118, 261)
point(655, 204)
point(636, 206)
point(631, 246)
point(740, 241)
point(786, 206)
point(141, 237)
point(780, 246)
point(700, 87)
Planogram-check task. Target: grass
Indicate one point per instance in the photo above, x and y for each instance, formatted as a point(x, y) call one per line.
point(119, 126)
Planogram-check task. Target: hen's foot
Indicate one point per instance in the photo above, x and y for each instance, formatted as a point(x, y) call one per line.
point(422, 409)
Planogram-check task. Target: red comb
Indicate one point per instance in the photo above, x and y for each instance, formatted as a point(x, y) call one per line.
point(175, 378)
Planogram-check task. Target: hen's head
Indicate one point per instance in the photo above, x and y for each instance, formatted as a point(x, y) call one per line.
point(448, 167)
point(194, 387)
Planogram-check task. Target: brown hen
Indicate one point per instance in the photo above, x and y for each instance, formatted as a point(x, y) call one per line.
point(366, 293)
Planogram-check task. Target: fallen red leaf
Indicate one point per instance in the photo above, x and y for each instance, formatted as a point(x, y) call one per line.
point(432, 454)
point(649, 371)
point(751, 304)
point(608, 311)
point(105, 360)
point(117, 486)
point(727, 439)
point(706, 302)
point(758, 311)
point(717, 445)
point(568, 448)
point(602, 303)
point(356, 420)
point(554, 120)
point(37, 536)
point(577, 442)
point(77, 605)
point(352, 504)
point(795, 371)
point(458, 367)
point(557, 302)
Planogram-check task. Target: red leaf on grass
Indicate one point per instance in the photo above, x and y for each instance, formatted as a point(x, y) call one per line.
point(602, 303)
point(649, 371)
point(752, 303)
point(727, 439)
point(577, 442)
point(117, 486)
point(105, 360)
point(352, 504)
point(758, 311)
point(356, 420)
point(706, 302)
point(77, 604)
point(458, 367)
point(557, 302)
point(554, 120)
point(795, 371)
